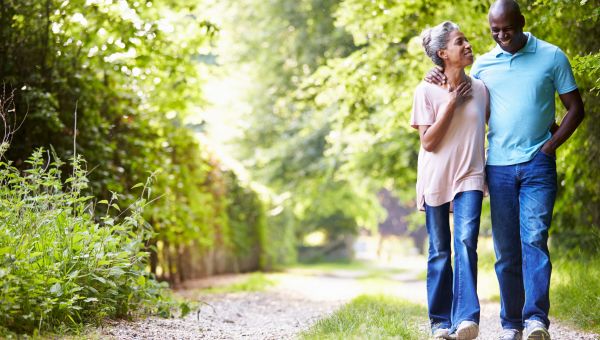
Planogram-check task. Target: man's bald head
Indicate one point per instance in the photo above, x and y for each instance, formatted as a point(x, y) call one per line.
point(506, 24)
point(500, 7)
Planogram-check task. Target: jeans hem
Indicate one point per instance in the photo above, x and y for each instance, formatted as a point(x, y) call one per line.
point(535, 318)
point(512, 326)
point(435, 327)
point(455, 326)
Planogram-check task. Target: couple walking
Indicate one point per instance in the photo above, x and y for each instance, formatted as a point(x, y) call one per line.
point(512, 88)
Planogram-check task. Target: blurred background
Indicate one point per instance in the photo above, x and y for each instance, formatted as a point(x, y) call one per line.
point(273, 131)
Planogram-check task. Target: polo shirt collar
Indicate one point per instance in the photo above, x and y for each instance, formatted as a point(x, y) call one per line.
point(529, 47)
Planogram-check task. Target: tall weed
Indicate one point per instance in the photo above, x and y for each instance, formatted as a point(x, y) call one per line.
point(63, 263)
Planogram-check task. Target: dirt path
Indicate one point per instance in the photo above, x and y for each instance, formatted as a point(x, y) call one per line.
point(299, 299)
point(262, 315)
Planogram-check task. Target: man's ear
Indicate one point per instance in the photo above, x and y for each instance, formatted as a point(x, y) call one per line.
point(522, 21)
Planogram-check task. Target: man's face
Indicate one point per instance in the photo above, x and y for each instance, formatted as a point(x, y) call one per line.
point(507, 30)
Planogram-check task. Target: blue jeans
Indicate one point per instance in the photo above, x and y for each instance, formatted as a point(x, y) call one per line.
point(522, 199)
point(452, 297)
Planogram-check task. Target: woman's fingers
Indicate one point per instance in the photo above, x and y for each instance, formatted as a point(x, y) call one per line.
point(464, 89)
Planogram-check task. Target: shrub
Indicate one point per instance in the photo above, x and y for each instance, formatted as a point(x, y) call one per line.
point(62, 262)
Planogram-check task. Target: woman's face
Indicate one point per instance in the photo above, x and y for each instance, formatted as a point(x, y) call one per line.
point(458, 51)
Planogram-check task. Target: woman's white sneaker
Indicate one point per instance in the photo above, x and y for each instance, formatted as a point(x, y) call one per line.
point(441, 333)
point(467, 330)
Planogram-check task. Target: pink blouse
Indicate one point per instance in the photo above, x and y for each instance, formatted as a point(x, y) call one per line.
point(458, 163)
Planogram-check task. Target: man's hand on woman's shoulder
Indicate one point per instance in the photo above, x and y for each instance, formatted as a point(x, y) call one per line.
point(436, 76)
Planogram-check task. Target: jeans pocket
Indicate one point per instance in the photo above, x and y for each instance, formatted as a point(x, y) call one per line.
point(547, 155)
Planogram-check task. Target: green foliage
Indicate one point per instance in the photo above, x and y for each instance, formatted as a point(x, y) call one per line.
point(575, 292)
point(255, 282)
point(281, 235)
point(246, 219)
point(205, 208)
point(344, 119)
point(289, 144)
point(372, 317)
point(118, 62)
point(131, 73)
point(576, 224)
point(62, 263)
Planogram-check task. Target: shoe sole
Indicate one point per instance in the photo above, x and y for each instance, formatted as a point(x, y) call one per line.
point(468, 333)
point(538, 334)
point(441, 336)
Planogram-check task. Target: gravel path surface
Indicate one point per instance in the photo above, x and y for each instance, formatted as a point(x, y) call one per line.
point(261, 315)
point(299, 299)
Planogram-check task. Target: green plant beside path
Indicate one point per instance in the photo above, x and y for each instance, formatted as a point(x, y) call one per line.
point(63, 263)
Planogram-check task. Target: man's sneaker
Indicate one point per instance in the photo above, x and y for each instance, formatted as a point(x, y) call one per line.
point(535, 330)
point(441, 333)
point(467, 330)
point(510, 334)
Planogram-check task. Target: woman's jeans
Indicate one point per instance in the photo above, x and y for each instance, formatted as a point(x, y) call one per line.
point(522, 199)
point(452, 297)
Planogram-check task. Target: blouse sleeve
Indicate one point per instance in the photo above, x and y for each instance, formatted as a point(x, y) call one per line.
point(422, 112)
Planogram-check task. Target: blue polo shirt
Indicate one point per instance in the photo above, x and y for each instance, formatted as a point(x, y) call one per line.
point(522, 88)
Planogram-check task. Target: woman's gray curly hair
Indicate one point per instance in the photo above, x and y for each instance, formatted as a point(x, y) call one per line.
point(436, 38)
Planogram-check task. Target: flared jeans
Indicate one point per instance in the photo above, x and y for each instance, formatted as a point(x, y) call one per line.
point(452, 295)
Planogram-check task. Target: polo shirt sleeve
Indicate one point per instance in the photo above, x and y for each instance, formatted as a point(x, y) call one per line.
point(475, 70)
point(564, 81)
point(422, 113)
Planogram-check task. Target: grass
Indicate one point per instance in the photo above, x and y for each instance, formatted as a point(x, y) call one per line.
point(363, 269)
point(335, 265)
point(487, 282)
point(372, 317)
point(574, 290)
point(575, 293)
point(255, 282)
point(372, 277)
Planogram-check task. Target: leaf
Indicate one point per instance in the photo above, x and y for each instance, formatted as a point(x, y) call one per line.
point(103, 202)
point(137, 185)
point(185, 309)
point(35, 254)
point(56, 289)
point(103, 263)
point(99, 279)
point(114, 205)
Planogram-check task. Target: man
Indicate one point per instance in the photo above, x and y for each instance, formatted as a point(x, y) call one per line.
point(522, 73)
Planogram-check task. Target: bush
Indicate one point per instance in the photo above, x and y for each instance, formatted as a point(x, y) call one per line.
point(62, 263)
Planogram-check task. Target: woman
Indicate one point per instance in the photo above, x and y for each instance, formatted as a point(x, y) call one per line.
point(451, 123)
